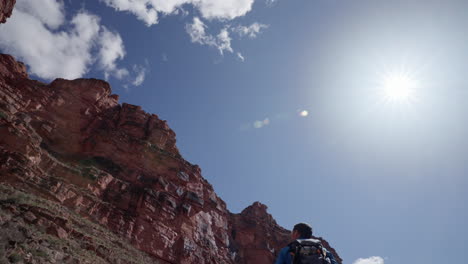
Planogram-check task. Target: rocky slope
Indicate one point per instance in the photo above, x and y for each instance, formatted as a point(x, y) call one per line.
point(84, 179)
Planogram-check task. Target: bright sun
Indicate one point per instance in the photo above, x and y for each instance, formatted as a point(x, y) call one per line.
point(399, 87)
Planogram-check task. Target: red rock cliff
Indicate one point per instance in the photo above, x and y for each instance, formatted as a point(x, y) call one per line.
point(6, 8)
point(84, 179)
point(73, 144)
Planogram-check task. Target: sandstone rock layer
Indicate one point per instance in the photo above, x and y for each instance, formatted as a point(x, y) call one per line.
point(84, 179)
point(70, 151)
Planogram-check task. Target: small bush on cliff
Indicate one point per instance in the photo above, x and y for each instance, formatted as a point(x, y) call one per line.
point(3, 115)
point(89, 173)
point(101, 163)
point(88, 163)
point(15, 258)
point(40, 253)
point(9, 201)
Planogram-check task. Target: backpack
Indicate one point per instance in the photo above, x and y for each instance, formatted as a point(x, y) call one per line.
point(308, 251)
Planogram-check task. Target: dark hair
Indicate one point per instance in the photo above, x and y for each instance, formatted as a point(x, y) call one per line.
point(304, 230)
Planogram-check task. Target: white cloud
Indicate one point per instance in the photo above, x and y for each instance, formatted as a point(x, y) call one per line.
point(182, 12)
point(149, 10)
point(241, 58)
point(224, 41)
point(143, 9)
point(251, 31)
point(223, 9)
point(140, 74)
point(50, 12)
point(50, 54)
point(197, 33)
point(111, 50)
point(371, 260)
point(52, 47)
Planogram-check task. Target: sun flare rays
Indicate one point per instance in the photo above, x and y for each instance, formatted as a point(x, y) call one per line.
point(399, 87)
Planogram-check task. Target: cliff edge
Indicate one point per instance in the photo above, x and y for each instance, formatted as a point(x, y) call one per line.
point(85, 179)
point(72, 146)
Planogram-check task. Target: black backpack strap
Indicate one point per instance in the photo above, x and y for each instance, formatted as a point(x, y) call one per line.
point(294, 248)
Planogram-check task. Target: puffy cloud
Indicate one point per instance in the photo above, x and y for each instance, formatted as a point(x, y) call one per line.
point(53, 48)
point(49, 54)
point(371, 260)
point(111, 50)
point(149, 10)
point(50, 12)
point(224, 41)
point(223, 9)
point(143, 9)
point(251, 31)
point(197, 34)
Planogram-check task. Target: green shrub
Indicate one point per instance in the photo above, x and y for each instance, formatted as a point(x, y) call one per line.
point(89, 173)
point(14, 258)
point(101, 163)
point(40, 253)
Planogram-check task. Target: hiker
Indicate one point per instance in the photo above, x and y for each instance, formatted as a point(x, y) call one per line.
point(304, 249)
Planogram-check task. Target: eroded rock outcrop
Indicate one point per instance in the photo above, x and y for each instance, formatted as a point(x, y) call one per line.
point(6, 8)
point(257, 237)
point(71, 142)
point(72, 146)
point(84, 179)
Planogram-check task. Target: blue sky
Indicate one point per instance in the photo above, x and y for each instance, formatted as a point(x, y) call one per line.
point(374, 175)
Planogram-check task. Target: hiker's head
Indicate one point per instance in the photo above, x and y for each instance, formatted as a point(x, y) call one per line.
point(301, 230)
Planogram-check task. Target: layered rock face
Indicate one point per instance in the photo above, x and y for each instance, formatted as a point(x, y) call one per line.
point(6, 8)
point(257, 235)
point(71, 142)
point(84, 179)
point(259, 238)
point(70, 151)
